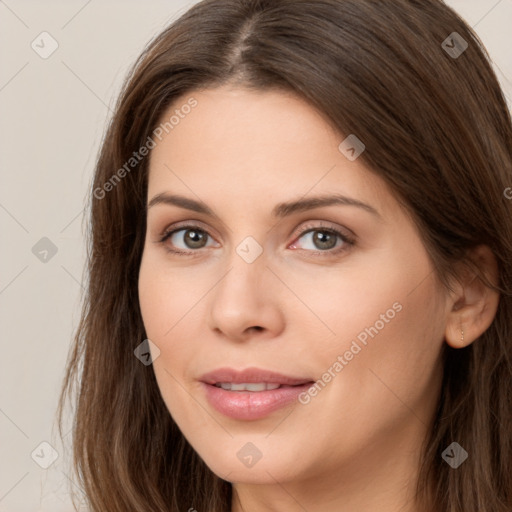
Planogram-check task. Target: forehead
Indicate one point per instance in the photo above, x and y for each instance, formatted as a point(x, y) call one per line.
point(226, 120)
point(252, 145)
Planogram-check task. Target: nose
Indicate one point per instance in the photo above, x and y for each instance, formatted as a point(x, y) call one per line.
point(246, 302)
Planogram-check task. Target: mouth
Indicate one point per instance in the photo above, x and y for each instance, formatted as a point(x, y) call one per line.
point(253, 393)
point(253, 387)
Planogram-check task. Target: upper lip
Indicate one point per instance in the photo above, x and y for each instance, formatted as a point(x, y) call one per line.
point(250, 375)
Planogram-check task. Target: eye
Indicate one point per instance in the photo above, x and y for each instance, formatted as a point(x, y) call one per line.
point(187, 239)
point(321, 239)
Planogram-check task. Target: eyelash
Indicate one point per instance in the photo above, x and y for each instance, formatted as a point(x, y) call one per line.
point(347, 240)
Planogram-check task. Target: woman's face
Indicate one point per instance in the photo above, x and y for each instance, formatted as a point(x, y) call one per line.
point(255, 284)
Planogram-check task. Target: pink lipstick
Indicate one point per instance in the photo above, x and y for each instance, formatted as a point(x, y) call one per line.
point(253, 393)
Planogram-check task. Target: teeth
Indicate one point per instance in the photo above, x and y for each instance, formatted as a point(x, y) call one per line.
point(252, 386)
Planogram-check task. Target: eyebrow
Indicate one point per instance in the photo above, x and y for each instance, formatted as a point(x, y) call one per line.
point(281, 210)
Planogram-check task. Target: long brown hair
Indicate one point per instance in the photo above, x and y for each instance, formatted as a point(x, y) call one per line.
point(436, 128)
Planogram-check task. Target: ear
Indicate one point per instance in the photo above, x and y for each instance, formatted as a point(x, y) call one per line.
point(474, 304)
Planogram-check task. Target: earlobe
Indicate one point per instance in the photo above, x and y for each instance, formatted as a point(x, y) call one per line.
point(455, 335)
point(475, 304)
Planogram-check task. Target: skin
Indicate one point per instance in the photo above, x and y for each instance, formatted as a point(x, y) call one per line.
point(356, 445)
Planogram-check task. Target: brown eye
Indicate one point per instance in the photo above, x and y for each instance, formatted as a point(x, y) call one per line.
point(194, 239)
point(185, 239)
point(324, 239)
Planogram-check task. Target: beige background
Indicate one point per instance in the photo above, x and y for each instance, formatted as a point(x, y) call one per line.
point(53, 115)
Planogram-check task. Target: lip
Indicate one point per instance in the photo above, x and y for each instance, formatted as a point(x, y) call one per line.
point(248, 405)
point(251, 375)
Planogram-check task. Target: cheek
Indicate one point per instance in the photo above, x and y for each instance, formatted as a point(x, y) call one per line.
point(386, 354)
point(164, 313)
point(361, 300)
point(386, 332)
point(173, 316)
point(168, 298)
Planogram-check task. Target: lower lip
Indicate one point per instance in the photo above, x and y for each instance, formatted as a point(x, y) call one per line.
point(252, 405)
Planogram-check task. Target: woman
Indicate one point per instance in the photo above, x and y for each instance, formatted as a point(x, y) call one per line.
point(299, 287)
